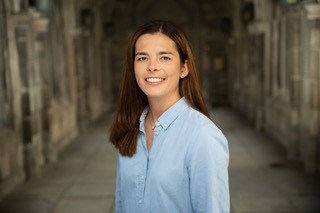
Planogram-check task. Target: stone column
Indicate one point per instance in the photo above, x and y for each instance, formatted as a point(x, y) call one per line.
point(293, 79)
point(11, 147)
point(310, 106)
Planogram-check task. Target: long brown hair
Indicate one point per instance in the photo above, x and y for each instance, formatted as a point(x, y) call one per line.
point(125, 127)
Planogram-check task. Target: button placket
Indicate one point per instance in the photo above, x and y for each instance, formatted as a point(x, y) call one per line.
point(142, 178)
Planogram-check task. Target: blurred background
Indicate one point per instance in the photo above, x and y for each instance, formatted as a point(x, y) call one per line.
point(61, 60)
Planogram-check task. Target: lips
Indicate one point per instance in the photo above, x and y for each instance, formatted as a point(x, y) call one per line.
point(154, 80)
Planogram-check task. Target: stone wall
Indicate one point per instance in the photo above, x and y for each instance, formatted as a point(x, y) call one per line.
point(310, 88)
point(11, 161)
point(276, 74)
point(51, 86)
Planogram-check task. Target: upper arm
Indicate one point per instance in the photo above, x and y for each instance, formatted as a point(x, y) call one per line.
point(208, 171)
point(118, 208)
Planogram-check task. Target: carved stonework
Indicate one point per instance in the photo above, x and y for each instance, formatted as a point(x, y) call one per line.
point(313, 11)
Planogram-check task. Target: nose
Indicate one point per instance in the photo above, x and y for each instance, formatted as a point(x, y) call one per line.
point(152, 69)
point(153, 66)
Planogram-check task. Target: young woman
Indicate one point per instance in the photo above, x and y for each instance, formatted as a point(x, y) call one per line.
point(172, 157)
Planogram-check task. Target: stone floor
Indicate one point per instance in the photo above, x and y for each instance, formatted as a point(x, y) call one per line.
point(262, 180)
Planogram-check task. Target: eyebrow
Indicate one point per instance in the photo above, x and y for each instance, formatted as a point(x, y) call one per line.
point(165, 53)
point(160, 53)
point(141, 53)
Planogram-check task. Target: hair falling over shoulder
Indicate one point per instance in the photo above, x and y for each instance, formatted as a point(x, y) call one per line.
point(125, 126)
point(124, 129)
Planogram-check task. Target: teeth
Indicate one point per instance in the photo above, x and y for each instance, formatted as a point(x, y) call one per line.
point(154, 80)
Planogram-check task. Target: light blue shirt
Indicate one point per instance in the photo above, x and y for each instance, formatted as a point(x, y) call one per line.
point(185, 170)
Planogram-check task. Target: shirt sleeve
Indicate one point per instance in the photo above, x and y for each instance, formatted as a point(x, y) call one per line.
point(118, 208)
point(208, 172)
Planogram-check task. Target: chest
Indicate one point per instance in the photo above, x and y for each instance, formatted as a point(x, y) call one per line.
point(149, 136)
point(164, 165)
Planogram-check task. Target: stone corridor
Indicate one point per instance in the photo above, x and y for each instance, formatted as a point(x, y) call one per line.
point(262, 180)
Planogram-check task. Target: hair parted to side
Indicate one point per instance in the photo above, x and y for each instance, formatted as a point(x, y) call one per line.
point(125, 127)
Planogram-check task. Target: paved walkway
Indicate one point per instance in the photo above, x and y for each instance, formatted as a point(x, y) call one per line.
point(262, 180)
point(83, 180)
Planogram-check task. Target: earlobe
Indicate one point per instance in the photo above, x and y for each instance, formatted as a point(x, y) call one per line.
point(184, 74)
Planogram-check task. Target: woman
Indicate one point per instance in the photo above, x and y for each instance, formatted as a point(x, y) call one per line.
point(172, 157)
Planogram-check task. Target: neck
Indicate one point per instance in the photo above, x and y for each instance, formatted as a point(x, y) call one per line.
point(158, 107)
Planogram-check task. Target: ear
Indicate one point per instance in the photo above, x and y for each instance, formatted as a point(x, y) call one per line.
point(184, 69)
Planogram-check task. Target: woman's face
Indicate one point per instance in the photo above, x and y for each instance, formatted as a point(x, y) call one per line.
point(158, 67)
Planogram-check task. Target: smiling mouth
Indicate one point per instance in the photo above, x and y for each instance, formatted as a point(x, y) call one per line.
point(154, 80)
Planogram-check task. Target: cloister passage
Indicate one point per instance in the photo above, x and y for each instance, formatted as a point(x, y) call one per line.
point(60, 68)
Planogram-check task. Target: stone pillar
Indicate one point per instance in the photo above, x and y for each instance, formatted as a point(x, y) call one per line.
point(11, 148)
point(32, 99)
point(310, 103)
point(63, 97)
point(293, 79)
point(41, 46)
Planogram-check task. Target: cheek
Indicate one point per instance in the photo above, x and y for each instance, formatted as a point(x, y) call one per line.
point(138, 68)
point(138, 75)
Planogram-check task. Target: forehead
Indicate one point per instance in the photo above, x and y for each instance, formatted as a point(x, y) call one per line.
point(156, 40)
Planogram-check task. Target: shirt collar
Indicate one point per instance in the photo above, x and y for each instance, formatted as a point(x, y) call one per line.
point(143, 118)
point(166, 119)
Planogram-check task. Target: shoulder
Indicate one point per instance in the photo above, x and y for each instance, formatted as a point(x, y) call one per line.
point(198, 119)
point(207, 136)
point(200, 127)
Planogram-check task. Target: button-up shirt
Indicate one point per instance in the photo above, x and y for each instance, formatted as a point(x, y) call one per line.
point(185, 170)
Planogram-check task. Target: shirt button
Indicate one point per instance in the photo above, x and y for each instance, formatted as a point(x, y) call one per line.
point(140, 201)
point(142, 177)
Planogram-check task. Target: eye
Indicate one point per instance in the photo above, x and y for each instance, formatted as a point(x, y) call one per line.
point(142, 58)
point(165, 58)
